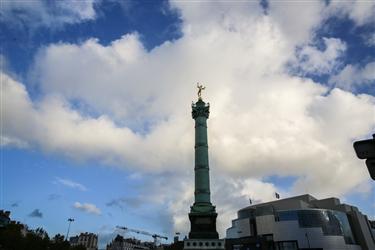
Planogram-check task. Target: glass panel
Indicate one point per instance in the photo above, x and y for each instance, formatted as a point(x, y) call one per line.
point(264, 210)
point(287, 215)
point(332, 222)
point(248, 213)
point(286, 245)
point(345, 227)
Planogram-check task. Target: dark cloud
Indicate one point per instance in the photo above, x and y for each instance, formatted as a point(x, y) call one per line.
point(52, 197)
point(131, 202)
point(15, 204)
point(36, 214)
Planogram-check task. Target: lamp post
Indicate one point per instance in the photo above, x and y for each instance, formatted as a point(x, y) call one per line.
point(307, 238)
point(366, 150)
point(70, 220)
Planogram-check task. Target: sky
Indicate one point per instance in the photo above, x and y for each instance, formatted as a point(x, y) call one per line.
point(96, 108)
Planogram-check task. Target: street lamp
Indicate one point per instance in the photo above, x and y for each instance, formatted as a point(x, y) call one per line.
point(366, 150)
point(70, 220)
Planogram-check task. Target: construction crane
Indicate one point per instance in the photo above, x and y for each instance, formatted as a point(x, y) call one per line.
point(155, 236)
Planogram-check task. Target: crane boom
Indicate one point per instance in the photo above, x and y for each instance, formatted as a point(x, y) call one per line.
point(155, 236)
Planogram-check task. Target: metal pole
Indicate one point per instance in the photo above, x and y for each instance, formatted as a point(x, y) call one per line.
point(67, 233)
point(307, 237)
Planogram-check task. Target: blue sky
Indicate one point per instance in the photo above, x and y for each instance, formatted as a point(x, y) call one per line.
point(96, 98)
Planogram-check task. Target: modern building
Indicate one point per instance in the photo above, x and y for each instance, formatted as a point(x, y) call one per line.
point(301, 222)
point(121, 243)
point(88, 240)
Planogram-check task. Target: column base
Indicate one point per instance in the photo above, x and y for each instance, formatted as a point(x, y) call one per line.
point(207, 244)
point(203, 226)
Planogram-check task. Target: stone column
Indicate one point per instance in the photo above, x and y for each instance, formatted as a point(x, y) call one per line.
point(202, 214)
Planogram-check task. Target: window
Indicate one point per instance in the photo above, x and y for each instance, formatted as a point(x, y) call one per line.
point(286, 245)
point(286, 215)
point(332, 222)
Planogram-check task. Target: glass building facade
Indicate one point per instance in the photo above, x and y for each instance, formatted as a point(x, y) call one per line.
point(330, 221)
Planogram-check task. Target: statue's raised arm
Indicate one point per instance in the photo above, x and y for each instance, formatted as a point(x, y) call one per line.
point(200, 88)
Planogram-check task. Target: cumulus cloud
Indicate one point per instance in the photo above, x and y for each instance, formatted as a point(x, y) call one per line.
point(70, 183)
point(228, 195)
point(297, 19)
point(313, 60)
point(353, 76)
point(37, 13)
point(36, 214)
point(361, 12)
point(370, 40)
point(55, 127)
point(87, 207)
point(263, 121)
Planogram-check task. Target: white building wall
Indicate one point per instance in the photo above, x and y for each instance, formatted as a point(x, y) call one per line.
point(240, 228)
point(265, 224)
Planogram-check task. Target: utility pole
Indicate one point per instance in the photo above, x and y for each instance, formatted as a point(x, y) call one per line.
point(70, 220)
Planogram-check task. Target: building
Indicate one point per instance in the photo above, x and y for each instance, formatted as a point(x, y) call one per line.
point(121, 243)
point(4, 218)
point(301, 222)
point(88, 240)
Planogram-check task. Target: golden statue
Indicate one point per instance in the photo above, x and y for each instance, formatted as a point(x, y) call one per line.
point(200, 88)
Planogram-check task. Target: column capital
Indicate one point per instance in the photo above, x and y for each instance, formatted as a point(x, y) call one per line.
point(200, 109)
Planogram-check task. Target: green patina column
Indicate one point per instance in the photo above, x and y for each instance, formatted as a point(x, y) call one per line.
point(202, 214)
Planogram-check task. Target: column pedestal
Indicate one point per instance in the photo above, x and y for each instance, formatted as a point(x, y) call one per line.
point(203, 226)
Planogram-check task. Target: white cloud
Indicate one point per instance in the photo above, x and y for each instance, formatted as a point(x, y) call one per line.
point(263, 121)
point(261, 118)
point(370, 40)
point(354, 76)
point(87, 207)
point(205, 16)
point(314, 60)
point(70, 183)
point(361, 12)
point(36, 13)
point(297, 19)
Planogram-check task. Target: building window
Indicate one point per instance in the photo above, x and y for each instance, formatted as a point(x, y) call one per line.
point(286, 245)
point(331, 222)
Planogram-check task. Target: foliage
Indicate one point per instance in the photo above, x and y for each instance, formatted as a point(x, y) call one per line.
point(17, 237)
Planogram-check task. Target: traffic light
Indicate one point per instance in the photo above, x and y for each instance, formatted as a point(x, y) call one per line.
point(366, 150)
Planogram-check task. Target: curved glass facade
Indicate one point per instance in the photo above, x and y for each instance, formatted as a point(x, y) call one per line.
point(332, 222)
point(246, 213)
